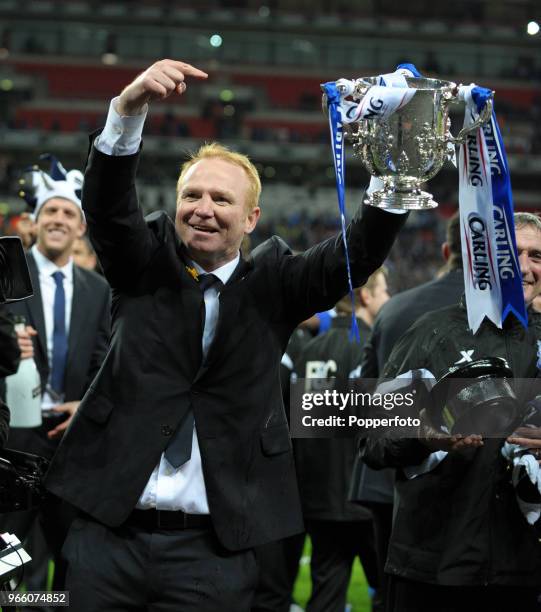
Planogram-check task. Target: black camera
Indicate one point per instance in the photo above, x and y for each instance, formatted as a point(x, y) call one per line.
point(20, 473)
point(20, 480)
point(15, 283)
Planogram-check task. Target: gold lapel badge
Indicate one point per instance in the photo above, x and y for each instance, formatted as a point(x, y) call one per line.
point(193, 273)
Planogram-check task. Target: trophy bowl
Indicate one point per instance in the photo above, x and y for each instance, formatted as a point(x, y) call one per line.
point(410, 146)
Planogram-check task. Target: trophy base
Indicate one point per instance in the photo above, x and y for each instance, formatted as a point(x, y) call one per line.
point(405, 200)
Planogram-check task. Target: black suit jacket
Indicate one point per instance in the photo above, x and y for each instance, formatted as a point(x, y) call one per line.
point(393, 320)
point(153, 372)
point(324, 465)
point(401, 311)
point(89, 328)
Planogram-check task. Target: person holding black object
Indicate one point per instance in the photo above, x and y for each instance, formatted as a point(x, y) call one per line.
point(67, 332)
point(340, 531)
point(179, 456)
point(371, 488)
point(461, 539)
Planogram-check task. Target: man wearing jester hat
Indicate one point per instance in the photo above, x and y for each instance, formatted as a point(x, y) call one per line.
point(67, 325)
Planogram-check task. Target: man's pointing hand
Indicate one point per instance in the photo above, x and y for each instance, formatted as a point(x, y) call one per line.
point(157, 82)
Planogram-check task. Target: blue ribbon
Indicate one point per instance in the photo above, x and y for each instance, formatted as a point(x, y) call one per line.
point(480, 95)
point(502, 198)
point(411, 68)
point(339, 156)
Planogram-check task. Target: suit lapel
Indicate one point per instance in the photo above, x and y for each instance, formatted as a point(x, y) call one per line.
point(35, 306)
point(240, 271)
point(80, 300)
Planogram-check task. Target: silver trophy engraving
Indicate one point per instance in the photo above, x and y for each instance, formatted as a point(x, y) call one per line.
point(410, 146)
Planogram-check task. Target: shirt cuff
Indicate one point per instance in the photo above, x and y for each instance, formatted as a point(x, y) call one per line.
point(429, 464)
point(121, 134)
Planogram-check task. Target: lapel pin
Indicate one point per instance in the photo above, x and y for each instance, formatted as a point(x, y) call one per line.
point(193, 273)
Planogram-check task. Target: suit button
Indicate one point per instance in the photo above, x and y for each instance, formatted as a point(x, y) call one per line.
point(166, 430)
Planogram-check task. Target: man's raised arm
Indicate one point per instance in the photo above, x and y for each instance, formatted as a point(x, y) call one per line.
point(116, 225)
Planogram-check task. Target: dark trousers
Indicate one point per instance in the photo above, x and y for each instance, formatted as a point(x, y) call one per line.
point(383, 523)
point(334, 548)
point(131, 568)
point(412, 596)
point(278, 564)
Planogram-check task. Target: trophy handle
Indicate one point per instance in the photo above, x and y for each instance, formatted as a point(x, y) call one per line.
point(484, 116)
point(324, 107)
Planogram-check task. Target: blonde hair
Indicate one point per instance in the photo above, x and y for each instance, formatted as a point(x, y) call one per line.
point(215, 150)
point(343, 307)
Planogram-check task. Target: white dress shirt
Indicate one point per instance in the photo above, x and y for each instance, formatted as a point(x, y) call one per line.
point(47, 285)
point(121, 134)
point(183, 488)
point(168, 488)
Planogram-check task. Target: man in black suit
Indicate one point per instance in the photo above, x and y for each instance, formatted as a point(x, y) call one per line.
point(460, 538)
point(59, 222)
point(68, 321)
point(180, 455)
point(403, 309)
point(340, 531)
point(372, 488)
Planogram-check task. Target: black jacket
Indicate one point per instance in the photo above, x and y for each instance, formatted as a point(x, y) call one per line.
point(393, 320)
point(401, 311)
point(153, 372)
point(88, 332)
point(87, 345)
point(459, 524)
point(324, 465)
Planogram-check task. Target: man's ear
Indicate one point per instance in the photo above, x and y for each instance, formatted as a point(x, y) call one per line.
point(364, 296)
point(445, 251)
point(82, 230)
point(251, 219)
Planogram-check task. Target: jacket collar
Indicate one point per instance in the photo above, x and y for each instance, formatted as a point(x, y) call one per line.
point(511, 321)
point(240, 271)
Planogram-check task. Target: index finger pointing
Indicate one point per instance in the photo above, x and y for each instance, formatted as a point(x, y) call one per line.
point(189, 70)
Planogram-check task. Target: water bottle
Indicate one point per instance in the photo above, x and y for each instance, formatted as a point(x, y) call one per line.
point(23, 391)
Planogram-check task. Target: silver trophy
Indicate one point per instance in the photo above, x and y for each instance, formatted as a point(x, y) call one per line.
point(410, 146)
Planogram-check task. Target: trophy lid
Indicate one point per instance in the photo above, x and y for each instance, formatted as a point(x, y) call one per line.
point(475, 398)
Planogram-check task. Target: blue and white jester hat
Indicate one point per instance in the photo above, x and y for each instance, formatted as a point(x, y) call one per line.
point(38, 187)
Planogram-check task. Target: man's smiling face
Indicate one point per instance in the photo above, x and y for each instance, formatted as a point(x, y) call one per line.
point(212, 216)
point(529, 252)
point(58, 224)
